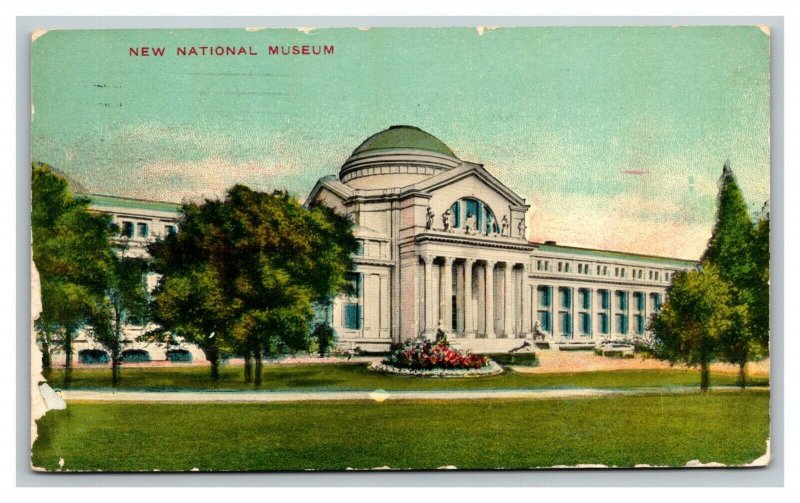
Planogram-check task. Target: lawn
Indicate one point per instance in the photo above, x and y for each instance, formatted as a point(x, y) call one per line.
point(293, 377)
point(728, 427)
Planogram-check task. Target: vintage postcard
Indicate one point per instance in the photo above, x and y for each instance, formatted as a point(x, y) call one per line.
point(400, 248)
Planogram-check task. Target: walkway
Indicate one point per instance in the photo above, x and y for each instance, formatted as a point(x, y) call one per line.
point(377, 395)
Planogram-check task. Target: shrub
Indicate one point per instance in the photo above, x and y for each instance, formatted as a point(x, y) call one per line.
point(521, 359)
point(421, 354)
point(325, 337)
point(179, 355)
point(93, 357)
point(135, 356)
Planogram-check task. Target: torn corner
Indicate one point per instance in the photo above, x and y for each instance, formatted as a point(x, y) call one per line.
point(764, 459)
point(37, 33)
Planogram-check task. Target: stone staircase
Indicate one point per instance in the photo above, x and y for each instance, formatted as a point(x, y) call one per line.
point(482, 346)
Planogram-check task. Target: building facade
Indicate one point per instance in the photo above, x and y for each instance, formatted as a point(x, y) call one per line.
point(444, 247)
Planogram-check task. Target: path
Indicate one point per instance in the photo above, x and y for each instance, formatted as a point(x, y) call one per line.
point(377, 395)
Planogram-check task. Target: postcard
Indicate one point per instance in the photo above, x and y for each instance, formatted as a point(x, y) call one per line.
point(335, 249)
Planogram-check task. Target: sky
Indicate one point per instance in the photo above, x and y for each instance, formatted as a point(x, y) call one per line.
point(615, 136)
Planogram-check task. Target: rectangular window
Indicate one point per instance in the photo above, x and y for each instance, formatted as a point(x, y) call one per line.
point(472, 210)
point(544, 321)
point(622, 300)
point(603, 317)
point(352, 316)
point(566, 324)
point(354, 278)
point(169, 230)
point(639, 299)
point(127, 230)
point(566, 297)
point(544, 296)
point(360, 248)
point(142, 230)
point(586, 324)
point(604, 299)
point(585, 298)
point(655, 301)
point(639, 324)
point(621, 323)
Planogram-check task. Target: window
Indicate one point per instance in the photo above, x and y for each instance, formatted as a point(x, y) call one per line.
point(603, 318)
point(622, 300)
point(566, 267)
point(544, 301)
point(639, 324)
point(566, 324)
point(544, 296)
point(484, 219)
point(566, 297)
point(127, 230)
point(169, 230)
point(559, 266)
point(354, 278)
point(604, 299)
point(655, 301)
point(622, 323)
point(585, 296)
point(544, 321)
point(352, 309)
point(142, 230)
point(638, 298)
point(586, 324)
point(360, 248)
point(352, 316)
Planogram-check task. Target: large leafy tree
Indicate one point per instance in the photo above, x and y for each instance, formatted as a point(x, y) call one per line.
point(693, 322)
point(125, 298)
point(72, 253)
point(248, 269)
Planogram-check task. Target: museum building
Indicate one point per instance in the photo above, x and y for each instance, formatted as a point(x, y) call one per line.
point(444, 247)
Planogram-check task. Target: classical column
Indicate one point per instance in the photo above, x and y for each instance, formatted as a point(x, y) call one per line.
point(508, 301)
point(469, 321)
point(525, 289)
point(430, 323)
point(447, 296)
point(489, 300)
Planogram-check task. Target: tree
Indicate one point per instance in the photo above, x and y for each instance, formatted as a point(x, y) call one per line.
point(738, 251)
point(126, 298)
point(759, 286)
point(72, 253)
point(247, 270)
point(730, 246)
point(692, 323)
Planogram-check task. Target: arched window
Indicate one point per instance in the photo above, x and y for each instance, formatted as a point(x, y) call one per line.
point(467, 207)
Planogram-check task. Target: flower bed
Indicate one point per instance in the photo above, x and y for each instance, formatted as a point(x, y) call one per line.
point(425, 358)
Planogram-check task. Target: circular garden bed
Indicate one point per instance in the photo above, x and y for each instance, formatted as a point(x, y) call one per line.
point(420, 357)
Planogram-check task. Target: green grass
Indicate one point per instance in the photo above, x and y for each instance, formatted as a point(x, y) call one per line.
point(293, 377)
point(728, 427)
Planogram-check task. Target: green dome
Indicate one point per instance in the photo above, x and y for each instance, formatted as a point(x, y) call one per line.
point(404, 137)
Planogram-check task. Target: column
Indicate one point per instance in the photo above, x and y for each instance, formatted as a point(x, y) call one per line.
point(469, 321)
point(430, 323)
point(526, 303)
point(460, 306)
point(447, 296)
point(489, 300)
point(508, 301)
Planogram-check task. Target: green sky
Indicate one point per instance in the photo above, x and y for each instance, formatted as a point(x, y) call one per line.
point(615, 136)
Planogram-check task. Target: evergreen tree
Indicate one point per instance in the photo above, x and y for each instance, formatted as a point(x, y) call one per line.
point(730, 246)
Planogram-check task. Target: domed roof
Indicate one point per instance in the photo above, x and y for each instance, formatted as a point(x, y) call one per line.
point(404, 137)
